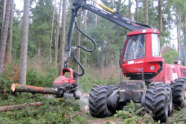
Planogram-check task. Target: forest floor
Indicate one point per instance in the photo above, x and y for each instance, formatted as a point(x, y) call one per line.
point(60, 110)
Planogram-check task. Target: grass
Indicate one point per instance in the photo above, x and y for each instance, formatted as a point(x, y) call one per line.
point(52, 111)
point(61, 110)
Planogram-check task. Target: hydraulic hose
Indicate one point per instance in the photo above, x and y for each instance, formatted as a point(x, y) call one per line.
point(82, 68)
point(92, 40)
point(88, 50)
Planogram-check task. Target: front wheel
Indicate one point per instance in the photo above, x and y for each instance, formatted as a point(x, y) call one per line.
point(98, 101)
point(157, 101)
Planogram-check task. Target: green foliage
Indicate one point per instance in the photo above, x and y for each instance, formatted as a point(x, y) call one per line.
point(43, 78)
point(169, 56)
point(40, 28)
point(52, 111)
point(16, 39)
point(94, 77)
point(8, 77)
point(131, 115)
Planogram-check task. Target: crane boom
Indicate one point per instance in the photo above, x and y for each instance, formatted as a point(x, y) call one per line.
point(105, 13)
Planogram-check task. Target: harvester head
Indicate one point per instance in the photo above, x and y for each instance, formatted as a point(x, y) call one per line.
point(66, 84)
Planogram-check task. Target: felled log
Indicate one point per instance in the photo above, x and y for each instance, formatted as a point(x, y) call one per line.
point(32, 89)
point(17, 107)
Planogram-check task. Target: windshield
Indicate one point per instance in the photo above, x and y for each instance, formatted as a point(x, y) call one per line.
point(135, 47)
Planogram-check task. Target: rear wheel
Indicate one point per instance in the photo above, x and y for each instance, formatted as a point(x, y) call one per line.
point(98, 101)
point(170, 101)
point(179, 93)
point(157, 102)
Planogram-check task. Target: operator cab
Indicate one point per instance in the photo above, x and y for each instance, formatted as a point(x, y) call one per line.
point(141, 56)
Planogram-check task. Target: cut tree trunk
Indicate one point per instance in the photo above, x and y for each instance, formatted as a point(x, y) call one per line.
point(51, 36)
point(24, 43)
point(17, 107)
point(57, 35)
point(32, 89)
point(4, 35)
point(62, 45)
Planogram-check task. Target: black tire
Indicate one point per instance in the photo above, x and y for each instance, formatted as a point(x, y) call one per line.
point(179, 93)
point(156, 102)
point(149, 99)
point(170, 99)
point(98, 101)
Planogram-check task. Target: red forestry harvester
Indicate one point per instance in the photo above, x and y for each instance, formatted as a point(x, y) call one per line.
point(157, 86)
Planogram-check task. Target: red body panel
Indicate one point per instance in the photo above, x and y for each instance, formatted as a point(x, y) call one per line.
point(170, 73)
point(63, 79)
point(149, 63)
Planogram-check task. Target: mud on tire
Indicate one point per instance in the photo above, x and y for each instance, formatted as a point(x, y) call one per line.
point(98, 101)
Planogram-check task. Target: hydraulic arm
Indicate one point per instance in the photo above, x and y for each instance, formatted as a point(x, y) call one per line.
point(105, 13)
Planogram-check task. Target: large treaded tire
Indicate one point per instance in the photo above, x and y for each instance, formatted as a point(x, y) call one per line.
point(179, 93)
point(98, 101)
point(170, 99)
point(157, 102)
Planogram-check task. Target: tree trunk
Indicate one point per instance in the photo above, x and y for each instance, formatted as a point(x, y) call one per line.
point(129, 6)
point(62, 45)
point(51, 36)
point(184, 39)
point(96, 20)
point(4, 11)
point(145, 11)
point(17, 107)
point(32, 89)
point(79, 43)
point(86, 19)
point(160, 14)
point(24, 43)
point(85, 57)
point(4, 35)
point(38, 51)
point(178, 33)
point(57, 35)
point(11, 28)
point(137, 14)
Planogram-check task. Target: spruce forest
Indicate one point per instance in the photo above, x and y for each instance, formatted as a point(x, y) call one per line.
point(32, 52)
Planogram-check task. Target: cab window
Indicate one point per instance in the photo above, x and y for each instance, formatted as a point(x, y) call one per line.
point(155, 45)
point(135, 47)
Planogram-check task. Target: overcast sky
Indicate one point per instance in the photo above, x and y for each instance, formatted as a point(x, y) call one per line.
point(19, 5)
